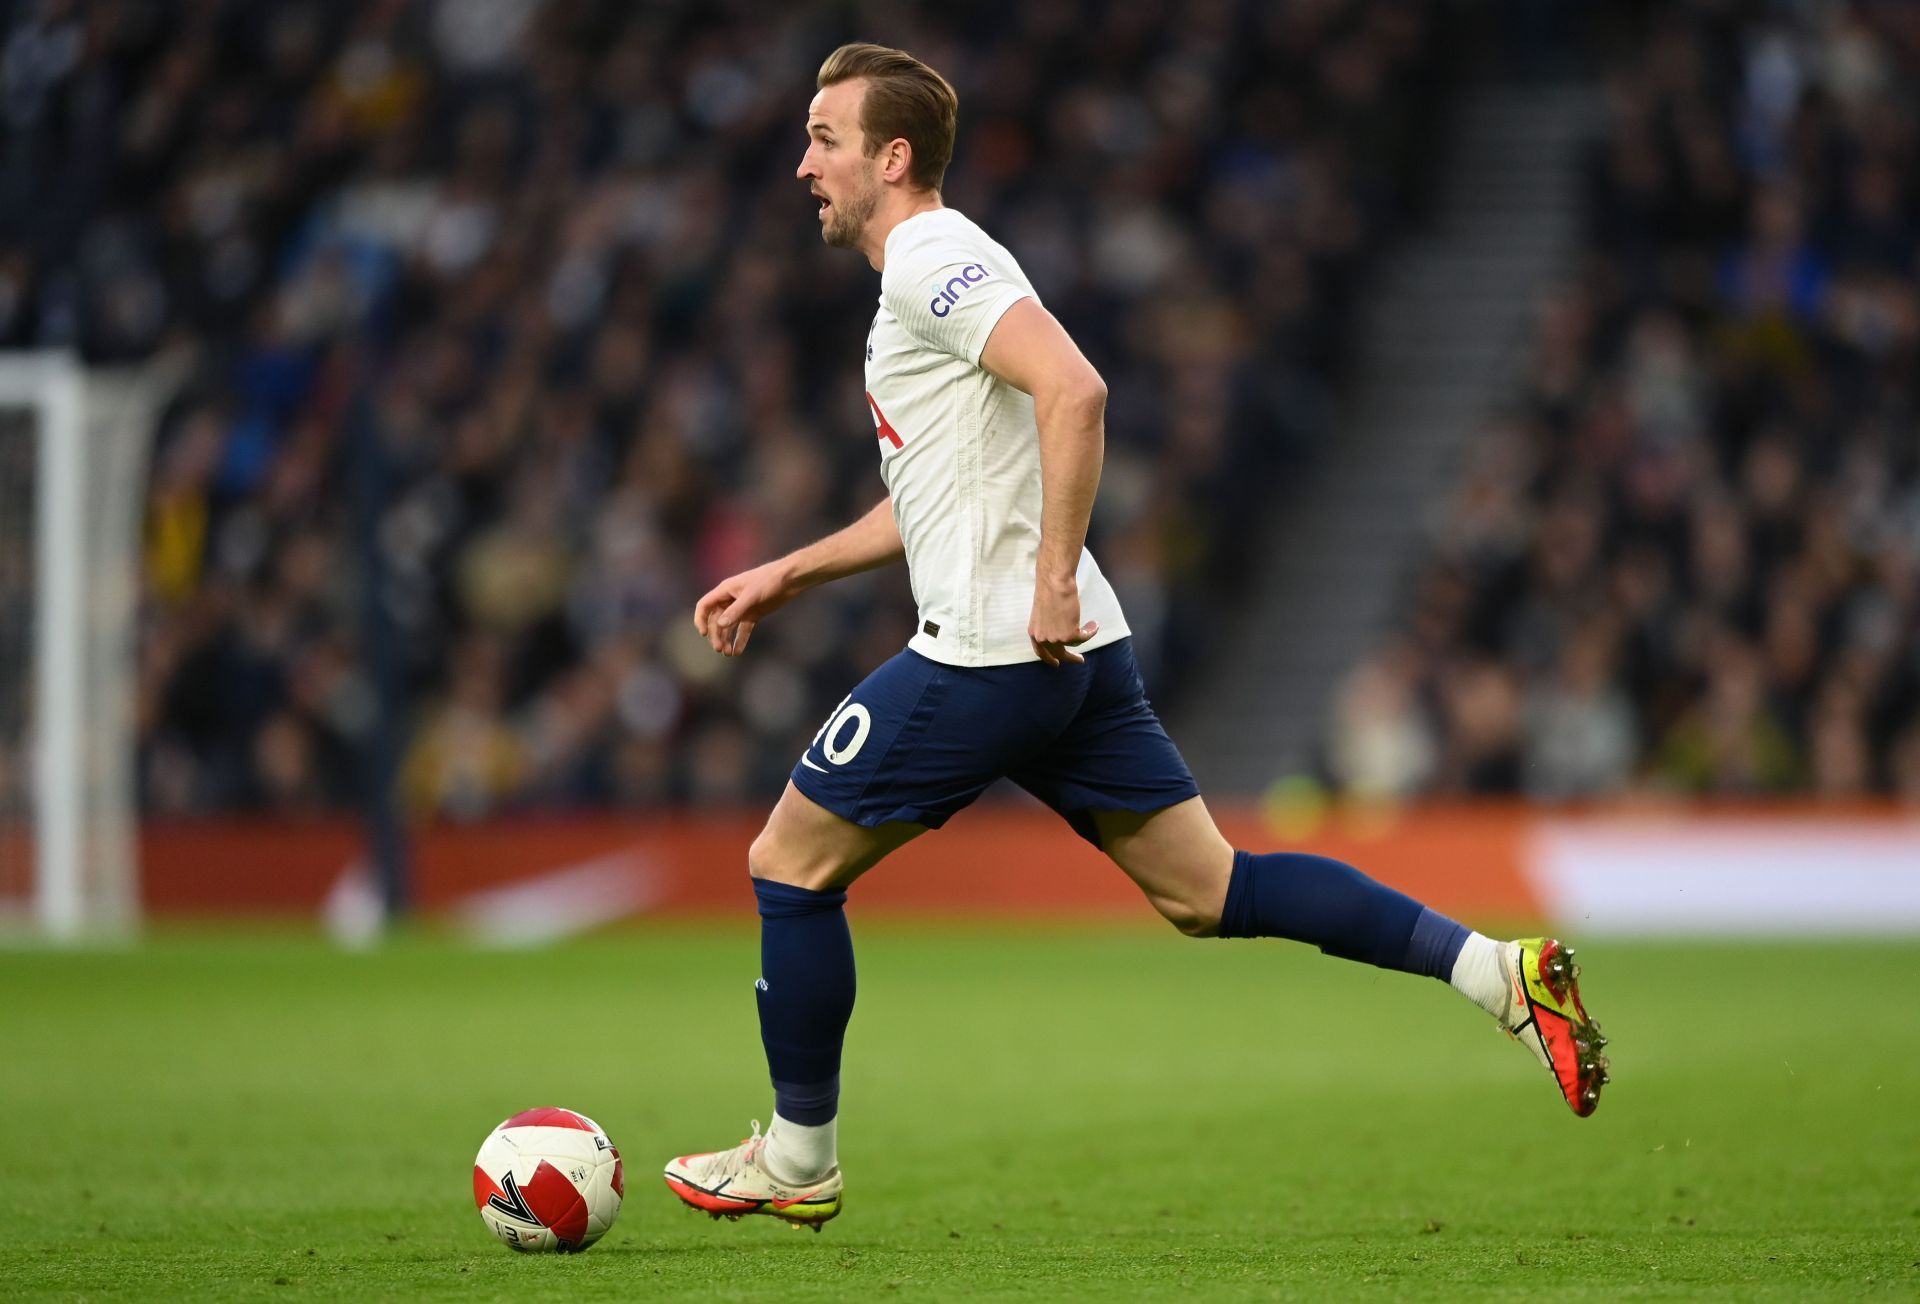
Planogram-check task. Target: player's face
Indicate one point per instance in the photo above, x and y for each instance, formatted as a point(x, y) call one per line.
point(835, 166)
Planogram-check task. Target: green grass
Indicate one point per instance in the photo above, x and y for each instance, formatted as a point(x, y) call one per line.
point(1030, 1114)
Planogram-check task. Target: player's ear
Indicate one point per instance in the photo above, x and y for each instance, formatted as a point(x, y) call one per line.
point(896, 160)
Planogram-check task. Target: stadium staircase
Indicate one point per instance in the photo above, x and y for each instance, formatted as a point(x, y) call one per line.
point(1441, 339)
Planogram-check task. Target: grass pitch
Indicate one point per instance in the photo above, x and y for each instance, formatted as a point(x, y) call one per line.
point(1030, 1114)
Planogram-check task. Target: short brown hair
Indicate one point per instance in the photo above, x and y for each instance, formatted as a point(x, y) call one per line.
point(905, 100)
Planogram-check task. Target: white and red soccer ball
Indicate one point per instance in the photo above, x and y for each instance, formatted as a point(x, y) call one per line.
point(548, 1179)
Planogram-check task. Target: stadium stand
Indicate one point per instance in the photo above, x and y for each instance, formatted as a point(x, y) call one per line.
point(511, 316)
point(1687, 560)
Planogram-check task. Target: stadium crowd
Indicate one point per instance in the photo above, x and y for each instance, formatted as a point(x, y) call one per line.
point(509, 331)
point(1688, 560)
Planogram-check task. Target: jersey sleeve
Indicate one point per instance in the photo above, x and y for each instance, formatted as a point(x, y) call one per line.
point(950, 295)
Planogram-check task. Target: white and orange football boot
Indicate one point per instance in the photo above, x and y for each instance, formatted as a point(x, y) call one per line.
point(1544, 1014)
point(734, 1183)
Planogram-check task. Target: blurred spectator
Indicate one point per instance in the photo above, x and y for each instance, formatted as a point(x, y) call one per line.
point(1382, 741)
point(522, 294)
point(1692, 546)
point(1579, 724)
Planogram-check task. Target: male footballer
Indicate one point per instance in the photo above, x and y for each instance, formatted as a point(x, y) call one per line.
point(989, 425)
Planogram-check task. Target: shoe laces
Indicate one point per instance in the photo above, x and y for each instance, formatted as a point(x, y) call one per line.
point(747, 1152)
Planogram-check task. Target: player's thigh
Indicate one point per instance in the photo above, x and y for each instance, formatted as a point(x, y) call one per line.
point(809, 846)
point(1177, 856)
point(913, 744)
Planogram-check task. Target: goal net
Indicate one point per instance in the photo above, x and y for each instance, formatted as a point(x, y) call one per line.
point(73, 461)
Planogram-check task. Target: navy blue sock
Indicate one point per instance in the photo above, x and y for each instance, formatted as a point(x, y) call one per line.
point(806, 996)
point(1340, 910)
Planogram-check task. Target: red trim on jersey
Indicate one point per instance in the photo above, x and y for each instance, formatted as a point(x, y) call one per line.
point(881, 428)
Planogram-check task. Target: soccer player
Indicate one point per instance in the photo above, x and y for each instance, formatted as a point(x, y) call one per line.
point(989, 427)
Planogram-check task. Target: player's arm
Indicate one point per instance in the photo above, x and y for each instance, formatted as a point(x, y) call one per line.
point(1031, 351)
point(729, 611)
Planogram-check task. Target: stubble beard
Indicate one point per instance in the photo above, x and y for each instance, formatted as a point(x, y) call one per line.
point(847, 222)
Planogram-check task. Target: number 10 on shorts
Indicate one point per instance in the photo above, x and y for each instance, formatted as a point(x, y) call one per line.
point(835, 741)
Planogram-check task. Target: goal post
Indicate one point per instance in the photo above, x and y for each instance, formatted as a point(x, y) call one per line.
point(73, 462)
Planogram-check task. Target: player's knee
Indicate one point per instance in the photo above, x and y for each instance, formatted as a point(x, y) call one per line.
point(1192, 918)
point(772, 859)
point(764, 860)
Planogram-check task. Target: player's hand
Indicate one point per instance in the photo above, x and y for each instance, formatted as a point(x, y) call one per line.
point(1055, 629)
point(726, 615)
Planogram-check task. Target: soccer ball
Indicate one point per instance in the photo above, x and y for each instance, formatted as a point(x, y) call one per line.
point(548, 1179)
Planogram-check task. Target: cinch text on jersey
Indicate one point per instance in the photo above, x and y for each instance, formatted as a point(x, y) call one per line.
point(971, 274)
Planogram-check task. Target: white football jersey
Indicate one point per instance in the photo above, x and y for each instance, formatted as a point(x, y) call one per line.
point(959, 449)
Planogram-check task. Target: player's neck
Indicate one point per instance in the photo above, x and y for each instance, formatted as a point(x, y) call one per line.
point(898, 208)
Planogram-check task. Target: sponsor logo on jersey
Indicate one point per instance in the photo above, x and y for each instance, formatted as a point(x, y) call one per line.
point(949, 294)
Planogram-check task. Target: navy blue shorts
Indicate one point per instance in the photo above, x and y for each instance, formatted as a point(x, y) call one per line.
point(919, 740)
